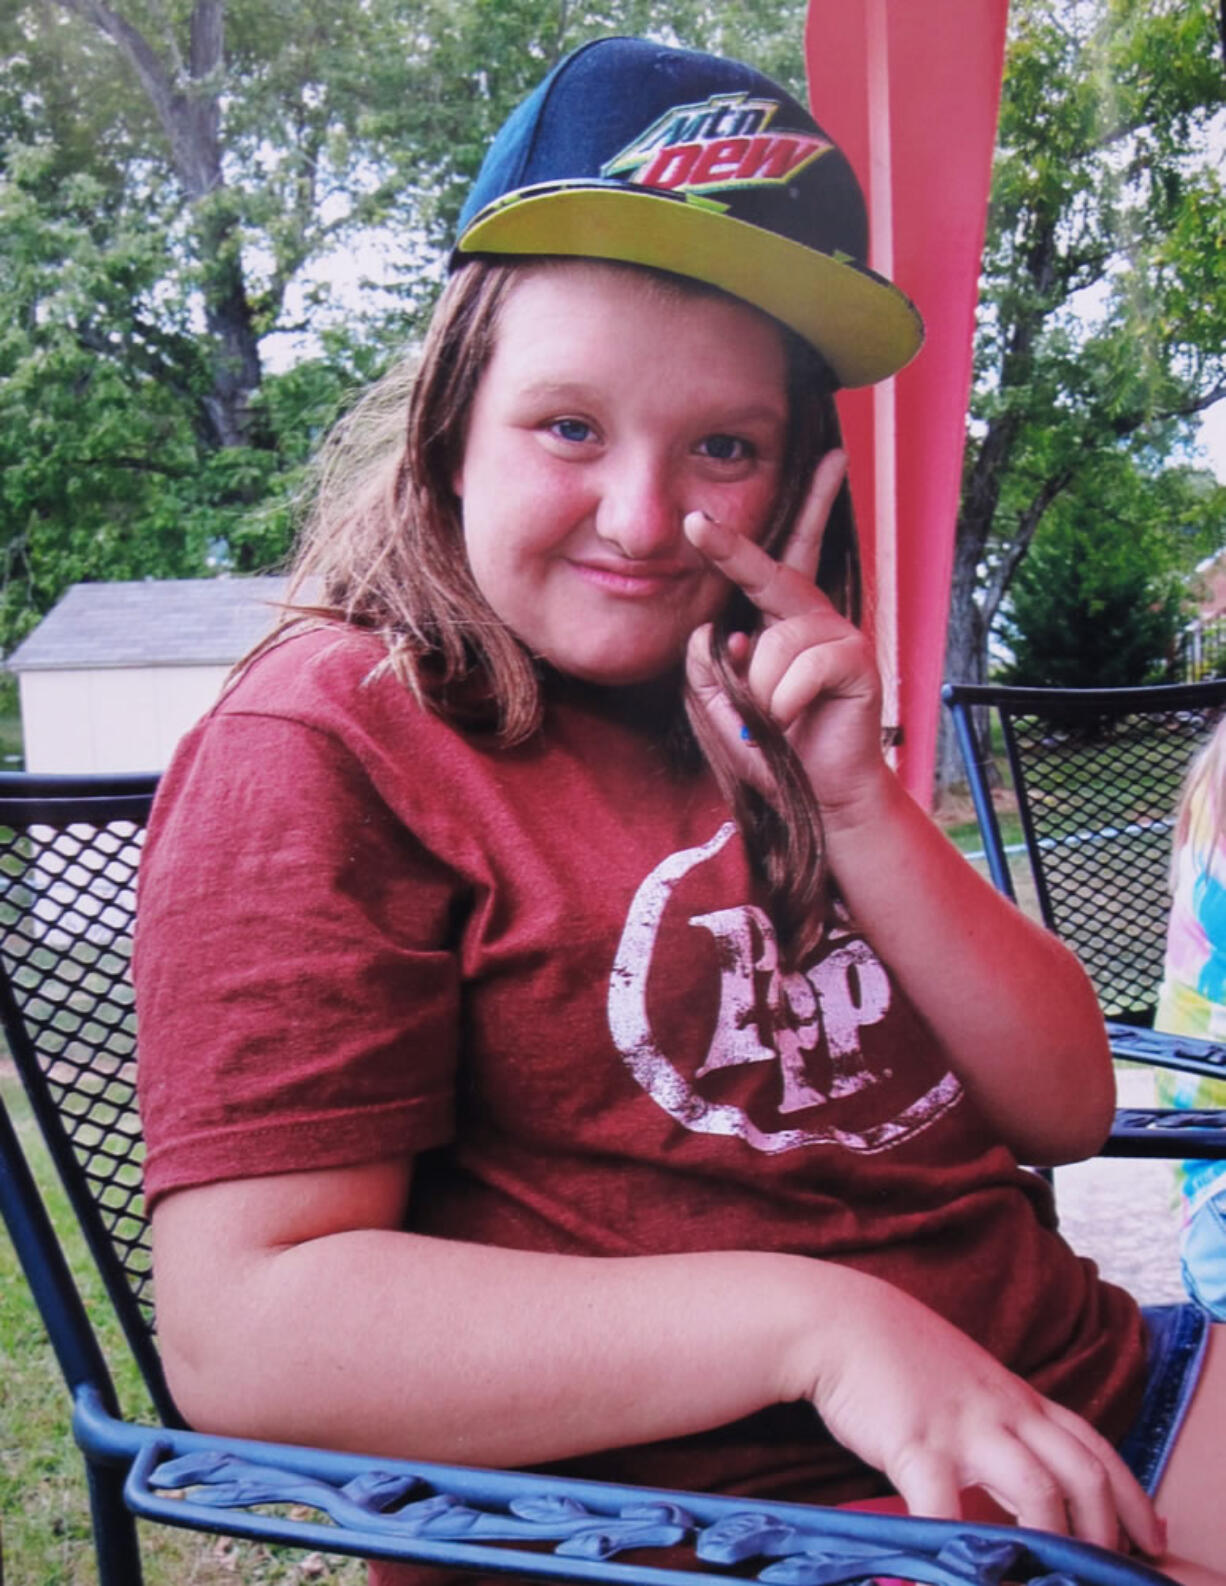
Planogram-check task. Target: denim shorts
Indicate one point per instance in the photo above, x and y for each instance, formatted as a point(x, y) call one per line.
point(1178, 1339)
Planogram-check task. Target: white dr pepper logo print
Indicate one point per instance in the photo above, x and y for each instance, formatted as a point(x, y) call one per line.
point(838, 997)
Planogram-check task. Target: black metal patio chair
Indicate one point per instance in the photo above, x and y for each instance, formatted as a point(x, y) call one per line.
point(1097, 774)
point(68, 856)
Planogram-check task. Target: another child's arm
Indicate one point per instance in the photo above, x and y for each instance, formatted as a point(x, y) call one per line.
point(293, 1307)
point(1011, 1005)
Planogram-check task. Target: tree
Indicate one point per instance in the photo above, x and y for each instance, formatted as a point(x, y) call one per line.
point(1104, 323)
point(256, 135)
point(132, 437)
point(108, 466)
point(1100, 600)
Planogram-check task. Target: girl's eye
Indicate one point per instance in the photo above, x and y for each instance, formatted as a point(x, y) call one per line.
point(576, 430)
point(726, 448)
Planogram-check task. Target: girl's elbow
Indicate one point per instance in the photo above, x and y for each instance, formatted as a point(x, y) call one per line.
point(213, 1379)
point(199, 1388)
point(1081, 1105)
point(1078, 1139)
point(1103, 1118)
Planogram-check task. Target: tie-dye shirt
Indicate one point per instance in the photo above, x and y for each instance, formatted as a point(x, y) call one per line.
point(1192, 1000)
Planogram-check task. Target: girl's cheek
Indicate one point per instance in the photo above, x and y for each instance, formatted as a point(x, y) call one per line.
point(750, 511)
point(717, 594)
point(560, 479)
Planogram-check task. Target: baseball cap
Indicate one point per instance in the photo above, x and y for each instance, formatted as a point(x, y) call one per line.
point(704, 167)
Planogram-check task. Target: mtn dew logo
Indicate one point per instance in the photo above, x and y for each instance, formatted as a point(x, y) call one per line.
point(728, 141)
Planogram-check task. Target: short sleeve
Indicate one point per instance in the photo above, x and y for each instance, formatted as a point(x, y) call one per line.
point(297, 992)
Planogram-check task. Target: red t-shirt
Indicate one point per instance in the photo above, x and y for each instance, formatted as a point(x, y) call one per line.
point(546, 973)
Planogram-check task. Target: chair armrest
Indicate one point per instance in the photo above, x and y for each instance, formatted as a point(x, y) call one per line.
point(1138, 1044)
point(1171, 1132)
point(514, 1522)
point(1177, 1133)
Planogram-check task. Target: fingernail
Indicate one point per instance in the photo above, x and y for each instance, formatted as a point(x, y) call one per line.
point(717, 545)
point(703, 516)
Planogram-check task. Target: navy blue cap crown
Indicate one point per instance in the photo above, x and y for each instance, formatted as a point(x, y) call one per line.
point(683, 161)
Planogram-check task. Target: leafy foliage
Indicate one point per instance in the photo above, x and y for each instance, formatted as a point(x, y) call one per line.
point(1103, 321)
point(1099, 601)
point(108, 468)
point(1081, 621)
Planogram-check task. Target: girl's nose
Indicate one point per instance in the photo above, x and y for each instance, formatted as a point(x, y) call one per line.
point(639, 510)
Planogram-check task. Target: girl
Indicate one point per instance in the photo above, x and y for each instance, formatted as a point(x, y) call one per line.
point(562, 1039)
point(1192, 1001)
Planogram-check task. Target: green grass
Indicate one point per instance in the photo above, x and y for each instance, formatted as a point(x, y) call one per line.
point(963, 832)
point(959, 821)
point(967, 836)
point(12, 747)
point(44, 1512)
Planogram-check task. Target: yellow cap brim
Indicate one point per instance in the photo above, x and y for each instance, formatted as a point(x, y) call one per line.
point(865, 328)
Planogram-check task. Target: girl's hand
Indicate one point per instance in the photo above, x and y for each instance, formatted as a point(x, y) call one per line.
point(807, 667)
point(919, 1400)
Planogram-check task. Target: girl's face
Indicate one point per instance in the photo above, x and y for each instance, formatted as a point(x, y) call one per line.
point(610, 409)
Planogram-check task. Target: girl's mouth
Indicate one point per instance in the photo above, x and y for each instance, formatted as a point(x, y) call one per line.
point(633, 579)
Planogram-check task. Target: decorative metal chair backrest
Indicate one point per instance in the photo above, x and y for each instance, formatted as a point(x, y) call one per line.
point(68, 857)
point(1097, 774)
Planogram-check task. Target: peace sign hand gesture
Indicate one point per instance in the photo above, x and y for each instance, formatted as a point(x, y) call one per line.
point(808, 668)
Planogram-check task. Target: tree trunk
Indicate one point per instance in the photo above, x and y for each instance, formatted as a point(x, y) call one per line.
point(227, 313)
point(970, 616)
point(966, 648)
point(190, 117)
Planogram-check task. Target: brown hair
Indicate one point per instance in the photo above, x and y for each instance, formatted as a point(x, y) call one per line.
point(383, 549)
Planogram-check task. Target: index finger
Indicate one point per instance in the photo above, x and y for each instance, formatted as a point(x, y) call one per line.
point(775, 588)
point(804, 545)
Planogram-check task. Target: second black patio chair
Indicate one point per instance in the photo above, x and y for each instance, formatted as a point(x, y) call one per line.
point(1097, 774)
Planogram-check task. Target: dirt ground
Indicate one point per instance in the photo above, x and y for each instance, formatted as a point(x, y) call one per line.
point(1122, 1211)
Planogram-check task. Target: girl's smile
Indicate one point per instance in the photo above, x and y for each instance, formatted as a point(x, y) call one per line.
point(612, 406)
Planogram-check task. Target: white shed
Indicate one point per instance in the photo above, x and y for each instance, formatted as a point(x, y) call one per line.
point(113, 677)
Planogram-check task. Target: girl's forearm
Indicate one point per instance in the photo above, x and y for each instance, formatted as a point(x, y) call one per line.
point(414, 1347)
point(392, 1343)
point(1009, 1002)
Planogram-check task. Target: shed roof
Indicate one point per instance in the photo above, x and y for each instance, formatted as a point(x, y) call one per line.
point(157, 622)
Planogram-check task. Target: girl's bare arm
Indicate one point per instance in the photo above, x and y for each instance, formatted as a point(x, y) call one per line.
point(293, 1308)
point(1010, 1004)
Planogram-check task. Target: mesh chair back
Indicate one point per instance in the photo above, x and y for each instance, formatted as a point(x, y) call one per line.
point(1098, 773)
point(69, 849)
